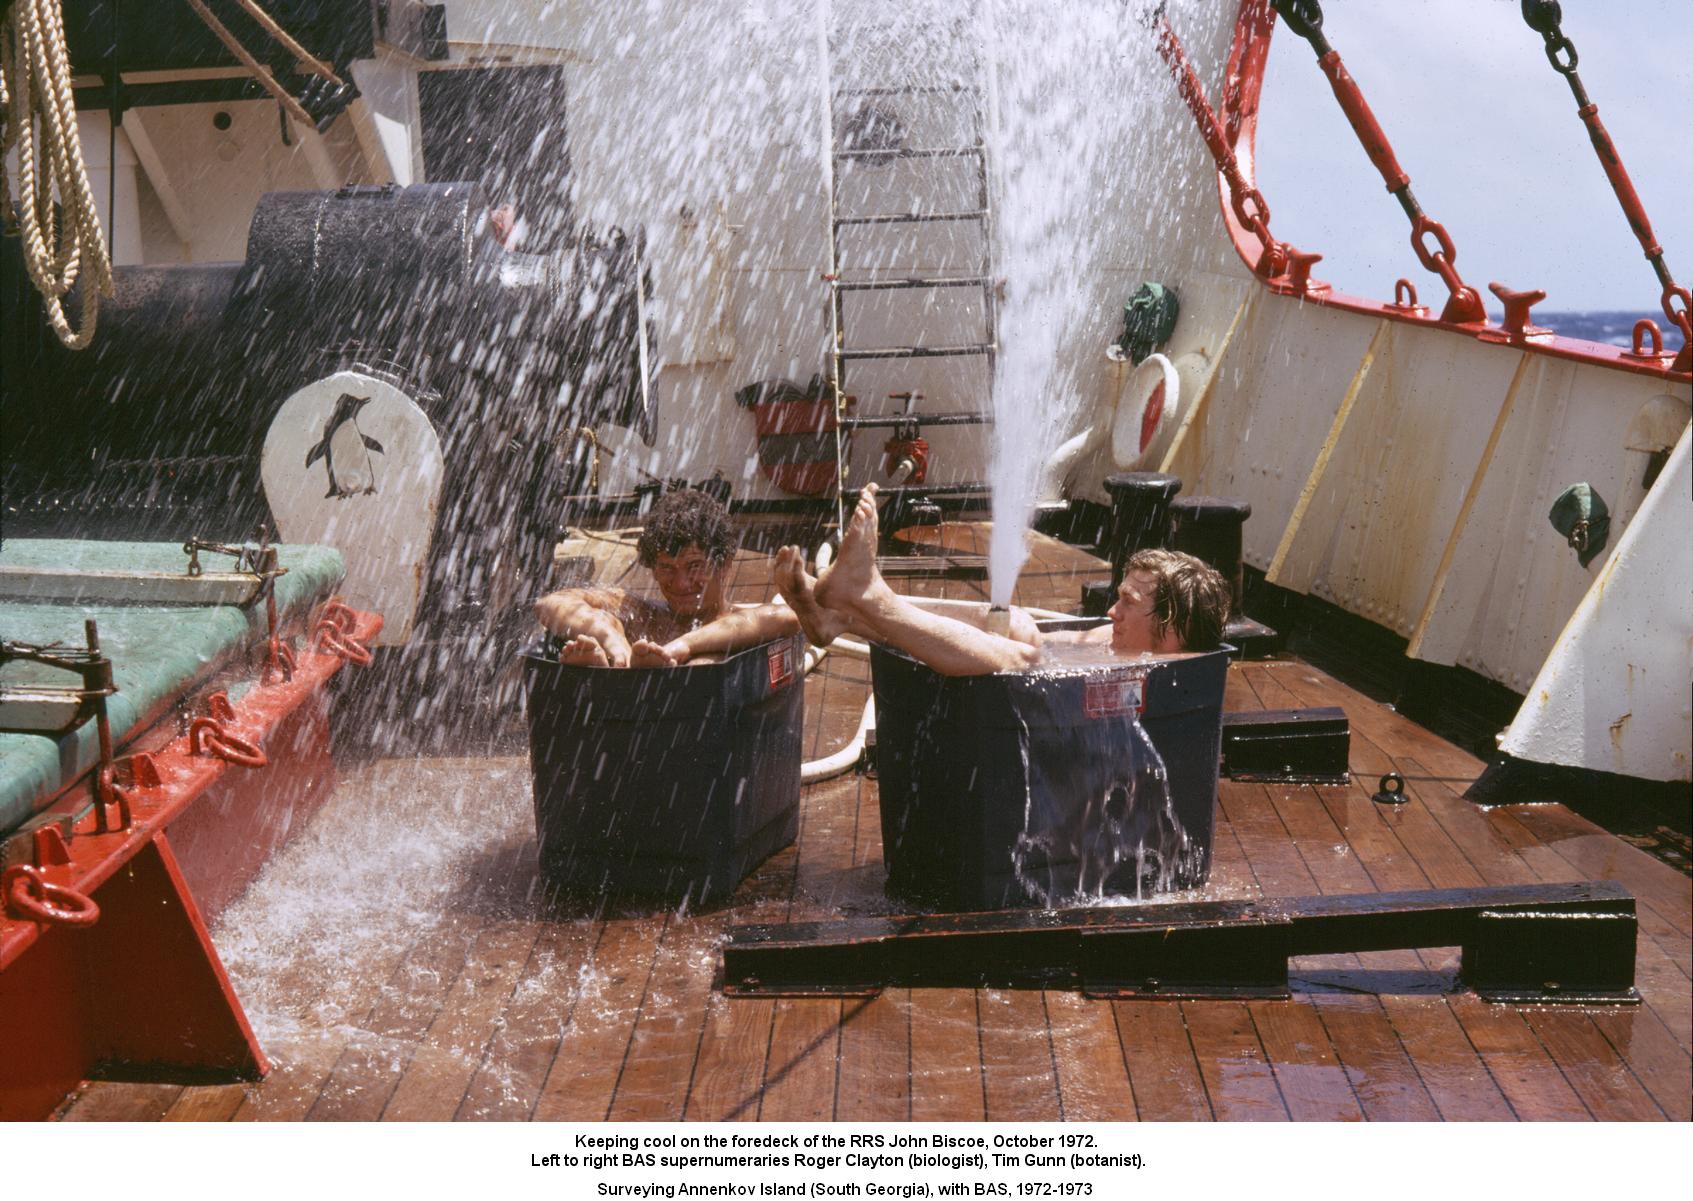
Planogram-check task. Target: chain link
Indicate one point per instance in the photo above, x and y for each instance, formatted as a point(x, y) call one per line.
point(1303, 17)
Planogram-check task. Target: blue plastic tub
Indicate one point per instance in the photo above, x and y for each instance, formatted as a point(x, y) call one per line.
point(668, 784)
point(1040, 789)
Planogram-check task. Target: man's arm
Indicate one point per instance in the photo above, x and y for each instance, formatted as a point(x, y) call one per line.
point(594, 614)
point(735, 630)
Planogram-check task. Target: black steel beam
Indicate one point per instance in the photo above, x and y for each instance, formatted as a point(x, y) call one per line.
point(1299, 746)
point(1539, 942)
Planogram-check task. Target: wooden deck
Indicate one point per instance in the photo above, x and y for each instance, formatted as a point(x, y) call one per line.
point(424, 981)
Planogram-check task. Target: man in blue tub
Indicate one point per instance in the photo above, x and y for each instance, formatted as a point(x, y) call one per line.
point(689, 546)
point(1169, 603)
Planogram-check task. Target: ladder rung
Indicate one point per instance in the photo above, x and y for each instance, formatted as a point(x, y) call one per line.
point(888, 423)
point(917, 352)
point(885, 285)
point(902, 218)
point(911, 90)
point(908, 152)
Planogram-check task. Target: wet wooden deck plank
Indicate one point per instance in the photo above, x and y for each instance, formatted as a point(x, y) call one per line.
point(804, 1060)
point(1238, 1078)
point(875, 1071)
point(514, 1066)
point(1458, 1081)
point(123, 1101)
point(1313, 1082)
point(1666, 891)
point(734, 1046)
point(1019, 1078)
point(450, 1051)
point(654, 1084)
point(1380, 1075)
point(1163, 1065)
point(1658, 1061)
point(1382, 1080)
point(1525, 1073)
point(207, 1103)
point(805, 1033)
point(369, 1068)
point(1093, 1076)
point(590, 1055)
point(946, 1056)
point(1502, 855)
point(1600, 1077)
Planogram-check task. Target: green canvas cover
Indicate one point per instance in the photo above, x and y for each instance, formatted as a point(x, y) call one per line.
point(158, 652)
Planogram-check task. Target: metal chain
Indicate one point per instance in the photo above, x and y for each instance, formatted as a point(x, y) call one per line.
point(1545, 17)
point(1463, 305)
point(1246, 201)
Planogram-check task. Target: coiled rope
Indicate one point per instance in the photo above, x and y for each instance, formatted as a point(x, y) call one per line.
point(40, 122)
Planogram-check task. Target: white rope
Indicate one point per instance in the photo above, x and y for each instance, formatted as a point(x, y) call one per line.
point(40, 122)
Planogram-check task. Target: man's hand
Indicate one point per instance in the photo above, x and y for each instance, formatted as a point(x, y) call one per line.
point(646, 653)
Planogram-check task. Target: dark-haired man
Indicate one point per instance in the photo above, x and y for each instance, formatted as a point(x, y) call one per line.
point(688, 545)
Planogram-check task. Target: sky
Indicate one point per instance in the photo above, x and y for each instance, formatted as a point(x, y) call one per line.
point(1489, 135)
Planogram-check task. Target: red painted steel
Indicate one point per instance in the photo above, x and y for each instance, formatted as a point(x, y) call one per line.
point(141, 983)
point(1242, 87)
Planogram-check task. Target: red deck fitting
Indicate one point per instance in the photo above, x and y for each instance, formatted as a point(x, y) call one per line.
point(132, 977)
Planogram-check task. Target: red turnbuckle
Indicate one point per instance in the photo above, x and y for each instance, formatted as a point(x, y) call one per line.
point(334, 633)
point(1246, 201)
point(1463, 306)
point(207, 736)
point(32, 897)
point(1545, 17)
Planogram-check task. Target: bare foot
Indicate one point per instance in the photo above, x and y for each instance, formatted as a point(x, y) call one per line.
point(853, 577)
point(584, 651)
point(644, 652)
point(822, 626)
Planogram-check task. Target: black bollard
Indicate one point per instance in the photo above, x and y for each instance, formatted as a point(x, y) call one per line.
point(1209, 528)
point(1140, 515)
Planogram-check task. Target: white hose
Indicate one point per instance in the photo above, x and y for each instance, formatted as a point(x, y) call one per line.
point(845, 759)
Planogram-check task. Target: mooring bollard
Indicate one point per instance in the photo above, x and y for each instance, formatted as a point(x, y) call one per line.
point(1140, 517)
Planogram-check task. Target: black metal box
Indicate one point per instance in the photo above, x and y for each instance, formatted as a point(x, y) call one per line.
point(668, 783)
point(1020, 789)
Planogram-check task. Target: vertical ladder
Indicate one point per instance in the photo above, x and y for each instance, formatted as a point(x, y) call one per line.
point(844, 153)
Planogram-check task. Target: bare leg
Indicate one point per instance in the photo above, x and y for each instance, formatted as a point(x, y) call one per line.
point(949, 646)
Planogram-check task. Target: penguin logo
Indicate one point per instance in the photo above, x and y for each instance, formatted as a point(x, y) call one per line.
point(345, 450)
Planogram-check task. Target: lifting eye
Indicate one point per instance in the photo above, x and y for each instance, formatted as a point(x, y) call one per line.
point(221, 120)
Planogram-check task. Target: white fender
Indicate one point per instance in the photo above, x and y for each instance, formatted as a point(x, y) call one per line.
point(1146, 412)
point(350, 461)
